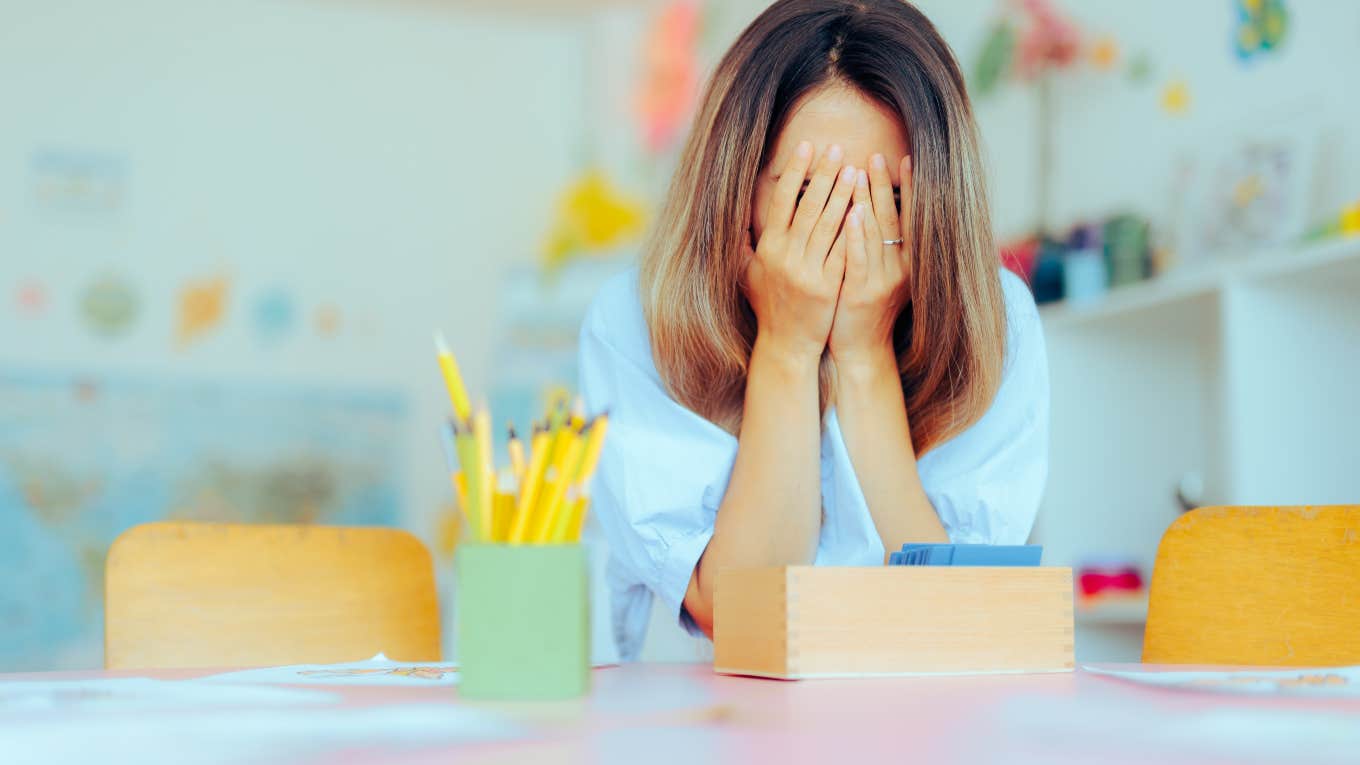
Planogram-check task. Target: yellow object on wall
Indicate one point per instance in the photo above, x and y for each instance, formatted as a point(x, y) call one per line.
point(592, 215)
point(202, 306)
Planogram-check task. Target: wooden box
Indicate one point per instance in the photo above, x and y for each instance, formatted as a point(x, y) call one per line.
point(807, 621)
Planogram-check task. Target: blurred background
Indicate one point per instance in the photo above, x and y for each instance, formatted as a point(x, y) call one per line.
point(228, 230)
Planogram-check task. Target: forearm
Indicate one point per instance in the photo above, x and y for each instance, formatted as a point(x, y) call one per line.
point(771, 512)
point(877, 431)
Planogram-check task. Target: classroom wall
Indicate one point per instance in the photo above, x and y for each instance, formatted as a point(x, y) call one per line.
point(389, 165)
point(385, 163)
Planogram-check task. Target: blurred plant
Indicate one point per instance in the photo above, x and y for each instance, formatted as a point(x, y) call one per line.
point(1261, 26)
point(1029, 39)
point(669, 81)
point(1347, 223)
point(593, 215)
point(1029, 42)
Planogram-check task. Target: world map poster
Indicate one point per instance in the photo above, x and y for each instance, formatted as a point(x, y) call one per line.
point(84, 458)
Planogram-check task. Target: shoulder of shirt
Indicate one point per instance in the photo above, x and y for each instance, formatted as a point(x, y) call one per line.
point(615, 317)
point(1021, 312)
point(1023, 327)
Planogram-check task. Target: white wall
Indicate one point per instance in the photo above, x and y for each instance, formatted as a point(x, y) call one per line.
point(391, 160)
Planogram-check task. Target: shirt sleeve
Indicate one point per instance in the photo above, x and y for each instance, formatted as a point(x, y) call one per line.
point(986, 483)
point(663, 470)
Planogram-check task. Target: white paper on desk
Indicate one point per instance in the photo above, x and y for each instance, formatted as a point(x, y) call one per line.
point(1333, 682)
point(246, 736)
point(378, 670)
point(140, 694)
point(1120, 727)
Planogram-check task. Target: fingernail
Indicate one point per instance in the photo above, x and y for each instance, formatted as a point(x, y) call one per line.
point(859, 210)
point(848, 174)
point(853, 218)
point(862, 179)
point(834, 153)
point(804, 149)
point(879, 162)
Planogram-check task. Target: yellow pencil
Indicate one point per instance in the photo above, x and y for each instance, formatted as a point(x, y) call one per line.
point(529, 487)
point(578, 519)
point(453, 380)
point(448, 435)
point(578, 414)
point(562, 523)
point(516, 448)
point(460, 488)
point(551, 504)
point(481, 431)
point(505, 509)
point(594, 447)
point(557, 420)
point(466, 447)
point(569, 517)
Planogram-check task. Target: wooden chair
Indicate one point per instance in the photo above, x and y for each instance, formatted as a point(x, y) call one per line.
point(1257, 586)
point(229, 595)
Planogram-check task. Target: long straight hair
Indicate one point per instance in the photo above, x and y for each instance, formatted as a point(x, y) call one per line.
point(950, 337)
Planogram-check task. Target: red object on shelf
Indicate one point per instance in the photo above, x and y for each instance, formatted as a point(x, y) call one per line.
point(1021, 257)
point(1105, 582)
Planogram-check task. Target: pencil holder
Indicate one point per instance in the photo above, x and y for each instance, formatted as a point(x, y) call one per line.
point(523, 621)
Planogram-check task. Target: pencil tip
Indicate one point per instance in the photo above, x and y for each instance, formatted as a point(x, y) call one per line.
point(440, 343)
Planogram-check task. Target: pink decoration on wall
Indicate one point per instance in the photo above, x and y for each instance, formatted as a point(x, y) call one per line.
point(670, 74)
point(31, 298)
point(1047, 39)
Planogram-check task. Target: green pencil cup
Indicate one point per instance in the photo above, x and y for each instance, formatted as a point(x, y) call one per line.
point(523, 622)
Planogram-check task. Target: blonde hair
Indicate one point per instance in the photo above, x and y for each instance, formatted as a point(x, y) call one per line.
point(950, 339)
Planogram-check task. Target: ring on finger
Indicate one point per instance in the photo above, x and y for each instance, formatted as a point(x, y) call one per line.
point(892, 241)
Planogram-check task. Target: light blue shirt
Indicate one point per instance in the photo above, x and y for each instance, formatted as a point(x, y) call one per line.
point(664, 469)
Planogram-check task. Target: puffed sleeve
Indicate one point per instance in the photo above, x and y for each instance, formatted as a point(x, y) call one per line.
point(986, 483)
point(664, 469)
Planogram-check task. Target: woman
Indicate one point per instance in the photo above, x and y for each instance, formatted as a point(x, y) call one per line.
point(819, 358)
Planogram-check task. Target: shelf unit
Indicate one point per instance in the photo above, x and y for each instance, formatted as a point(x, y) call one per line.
point(1244, 370)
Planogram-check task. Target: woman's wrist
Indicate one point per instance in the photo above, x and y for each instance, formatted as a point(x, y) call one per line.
point(793, 359)
point(866, 366)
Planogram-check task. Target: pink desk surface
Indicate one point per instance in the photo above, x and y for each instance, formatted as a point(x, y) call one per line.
point(657, 713)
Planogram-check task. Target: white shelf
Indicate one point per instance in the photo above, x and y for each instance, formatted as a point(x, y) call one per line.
point(1241, 370)
point(1206, 279)
point(1114, 611)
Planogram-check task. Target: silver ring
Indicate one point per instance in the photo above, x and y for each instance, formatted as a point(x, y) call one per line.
point(892, 241)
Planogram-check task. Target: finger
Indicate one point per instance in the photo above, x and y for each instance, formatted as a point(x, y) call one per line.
point(885, 207)
point(856, 255)
point(829, 224)
point(748, 260)
point(785, 197)
point(873, 239)
point(833, 268)
point(814, 197)
point(905, 220)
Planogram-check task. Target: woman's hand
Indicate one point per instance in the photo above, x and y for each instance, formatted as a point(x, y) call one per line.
point(794, 275)
point(877, 275)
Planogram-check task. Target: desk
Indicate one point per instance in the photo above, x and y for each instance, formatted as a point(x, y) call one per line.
point(686, 714)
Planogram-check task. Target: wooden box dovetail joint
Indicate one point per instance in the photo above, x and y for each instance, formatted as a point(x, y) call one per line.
point(808, 621)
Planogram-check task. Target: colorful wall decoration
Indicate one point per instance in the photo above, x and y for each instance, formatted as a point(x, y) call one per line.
point(1262, 26)
point(669, 81)
point(110, 306)
point(202, 307)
